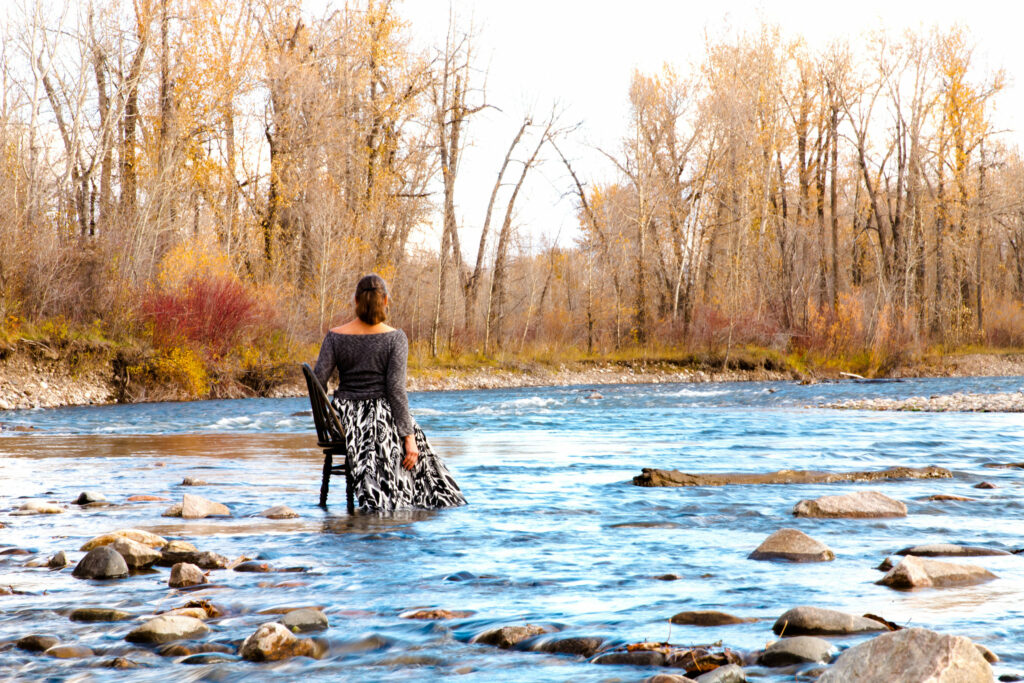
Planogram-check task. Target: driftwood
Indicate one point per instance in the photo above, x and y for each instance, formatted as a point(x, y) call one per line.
point(656, 477)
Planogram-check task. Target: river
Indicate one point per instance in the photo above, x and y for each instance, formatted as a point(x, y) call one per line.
point(555, 532)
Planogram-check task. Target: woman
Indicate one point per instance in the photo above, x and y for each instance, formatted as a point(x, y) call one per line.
point(393, 467)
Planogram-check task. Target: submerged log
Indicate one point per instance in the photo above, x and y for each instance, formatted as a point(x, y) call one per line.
point(656, 477)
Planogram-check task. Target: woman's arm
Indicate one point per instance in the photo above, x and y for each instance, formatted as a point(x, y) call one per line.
point(325, 362)
point(395, 385)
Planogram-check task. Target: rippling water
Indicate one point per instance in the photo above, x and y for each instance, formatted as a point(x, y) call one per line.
point(555, 532)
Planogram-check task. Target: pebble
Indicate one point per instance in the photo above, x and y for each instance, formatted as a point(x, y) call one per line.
point(985, 485)
point(253, 566)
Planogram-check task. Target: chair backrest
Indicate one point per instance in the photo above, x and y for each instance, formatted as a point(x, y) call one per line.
point(329, 431)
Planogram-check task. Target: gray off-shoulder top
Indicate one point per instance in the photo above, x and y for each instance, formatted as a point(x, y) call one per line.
point(368, 366)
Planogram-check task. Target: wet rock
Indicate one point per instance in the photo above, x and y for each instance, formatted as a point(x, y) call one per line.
point(69, 652)
point(668, 678)
point(137, 535)
point(36, 643)
point(579, 646)
point(656, 477)
point(120, 663)
point(948, 496)
point(136, 555)
point(437, 614)
point(177, 546)
point(913, 654)
point(796, 650)
point(632, 657)
point(708, 618)
point(888, 563)
point(15, 551)
point(38, 507)
point(194, 612)
point(193, 481)
point(146, 499)
point(204, 559)
point(950, 550)
point(460, 576)
point(91, 614)
point(58, 561)
point(914, 572)
point(211, 658)
point(165, 628)
point(101, 563)
point(184, 575)
point(860, 505)
point(253, 566)
point(990, 657)
point(817, 621)
point(197, 507)
point(173, 511)
point(86, 497)
point(273, 642)
point(730, 673)
point(192, 648)
point(279, 512)
point(668, 577)
point(985, 485)
point(792, 545)
point(305, 620)
point(507, 637)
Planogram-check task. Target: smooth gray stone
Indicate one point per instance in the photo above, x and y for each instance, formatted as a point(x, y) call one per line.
point(101, 563)
point(796, 650)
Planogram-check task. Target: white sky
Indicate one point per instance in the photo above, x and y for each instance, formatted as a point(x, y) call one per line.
point(581, 54)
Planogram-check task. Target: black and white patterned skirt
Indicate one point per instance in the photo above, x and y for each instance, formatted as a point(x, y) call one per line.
point(380, 482)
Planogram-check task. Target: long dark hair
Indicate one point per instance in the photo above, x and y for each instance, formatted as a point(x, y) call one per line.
point(371, 299)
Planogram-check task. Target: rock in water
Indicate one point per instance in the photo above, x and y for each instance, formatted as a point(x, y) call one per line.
point(91, 614)
point(792, 545)
point(184, 574)
point(69, 651)
point(101, 563)
point(305, 620)
point(197, 507)
point(38, 507)
point(164, 629)
point(138, 535)
point(950, 550)
point(656, 477)
point(796, 650)
point(58, 561)
point(730, 673)
point(862, 504)
point(204, 559)
point(86, 497)
point(817, 621)
point(180, 547)
point(508, 637)
point(708, 618)
point(913, 654)
point(36, 643)
point(579, 646)
point(279, 512)
point(135, 554)
point(914, 572)
point(273, 641)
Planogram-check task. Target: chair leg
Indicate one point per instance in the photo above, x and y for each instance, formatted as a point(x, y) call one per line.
point(325, 483)
point(349, 493)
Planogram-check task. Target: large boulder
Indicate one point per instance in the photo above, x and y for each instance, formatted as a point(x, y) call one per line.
point(184, 575)
point(792, 545)
point(101, 563)
point(914, 572)
point(817, 621)
point(796, 650)
point(950, 550)
point(273, 641)
point(508, 637)
point(861, 504)
point(912, 654)
point(165, 628)
point(136, 555)
point(138, 535)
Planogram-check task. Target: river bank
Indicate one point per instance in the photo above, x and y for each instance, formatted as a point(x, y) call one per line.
point(31, 380)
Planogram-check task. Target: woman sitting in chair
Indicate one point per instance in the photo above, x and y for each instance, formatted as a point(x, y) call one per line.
point(393, 467)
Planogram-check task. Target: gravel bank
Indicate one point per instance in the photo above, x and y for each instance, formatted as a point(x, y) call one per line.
point(951, 403)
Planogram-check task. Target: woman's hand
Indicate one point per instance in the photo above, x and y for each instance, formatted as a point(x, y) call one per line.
point(412, 452)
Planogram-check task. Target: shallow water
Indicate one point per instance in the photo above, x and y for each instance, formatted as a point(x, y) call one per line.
point(555, 532)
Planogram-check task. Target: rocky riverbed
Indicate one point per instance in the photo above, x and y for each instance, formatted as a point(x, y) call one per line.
point(957, 403)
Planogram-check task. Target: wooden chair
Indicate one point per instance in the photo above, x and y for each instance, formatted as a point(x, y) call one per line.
point(330, 437)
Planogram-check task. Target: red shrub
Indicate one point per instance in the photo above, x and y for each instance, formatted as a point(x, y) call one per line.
point(211, 311)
